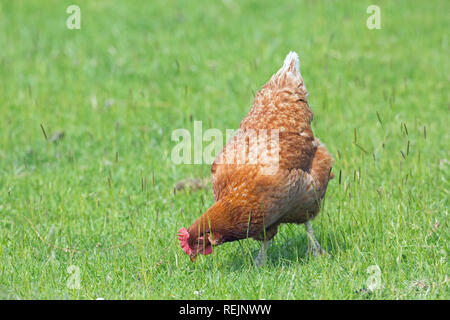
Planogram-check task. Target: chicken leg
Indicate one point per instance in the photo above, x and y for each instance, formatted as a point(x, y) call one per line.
point(313, 246)
point(262, 255)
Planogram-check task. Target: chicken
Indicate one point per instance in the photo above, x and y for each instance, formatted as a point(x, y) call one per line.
point(260, 182)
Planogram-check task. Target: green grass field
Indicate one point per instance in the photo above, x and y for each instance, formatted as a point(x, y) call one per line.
point(90, 211)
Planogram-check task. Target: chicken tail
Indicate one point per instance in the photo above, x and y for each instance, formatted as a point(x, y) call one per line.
point(289, 74)
point(321, 167)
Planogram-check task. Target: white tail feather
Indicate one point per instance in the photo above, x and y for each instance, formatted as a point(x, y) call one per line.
point(291, 59)
point(291, 69)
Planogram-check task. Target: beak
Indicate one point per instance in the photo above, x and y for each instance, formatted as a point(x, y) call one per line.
point(192, 256)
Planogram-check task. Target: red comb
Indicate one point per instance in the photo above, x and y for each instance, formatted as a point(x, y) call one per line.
point(183, 236)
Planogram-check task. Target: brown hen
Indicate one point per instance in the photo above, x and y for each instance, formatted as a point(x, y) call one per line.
point(272, 171)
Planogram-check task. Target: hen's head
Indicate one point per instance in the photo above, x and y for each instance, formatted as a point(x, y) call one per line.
point(192, 247)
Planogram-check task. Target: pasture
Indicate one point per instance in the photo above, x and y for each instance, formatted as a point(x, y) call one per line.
point(87, 202)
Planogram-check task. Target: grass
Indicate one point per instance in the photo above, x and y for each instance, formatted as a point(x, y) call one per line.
point(97, 193)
